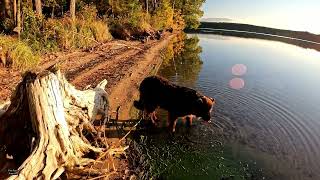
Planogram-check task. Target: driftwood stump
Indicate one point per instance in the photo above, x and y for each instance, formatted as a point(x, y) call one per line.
point(47, 129)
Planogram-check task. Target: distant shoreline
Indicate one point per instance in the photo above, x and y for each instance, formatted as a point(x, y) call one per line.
point(256, 33)
point(298, 38)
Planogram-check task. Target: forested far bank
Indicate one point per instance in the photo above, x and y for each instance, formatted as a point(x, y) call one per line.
point(259, 29)
point(33, 27)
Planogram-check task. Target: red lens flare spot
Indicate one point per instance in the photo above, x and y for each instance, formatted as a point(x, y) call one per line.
point(239, 69)
point(236, 83)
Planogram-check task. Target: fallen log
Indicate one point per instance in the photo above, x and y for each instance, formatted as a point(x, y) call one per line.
point(48, 128)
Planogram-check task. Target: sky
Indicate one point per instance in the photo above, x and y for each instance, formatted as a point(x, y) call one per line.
point(300, 15)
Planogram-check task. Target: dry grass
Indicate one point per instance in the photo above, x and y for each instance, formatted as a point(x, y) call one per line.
point(18, 53)
point(55, 34)
point(79, 34)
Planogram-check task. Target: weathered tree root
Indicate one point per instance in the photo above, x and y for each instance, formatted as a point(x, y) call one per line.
point(48, 129)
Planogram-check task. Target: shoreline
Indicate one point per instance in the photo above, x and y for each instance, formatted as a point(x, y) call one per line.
point(297, 41)
point(115, 61)
point(123, 63)
point(126, 90)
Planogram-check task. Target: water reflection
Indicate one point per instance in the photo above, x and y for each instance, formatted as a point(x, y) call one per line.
point(298, 42)
point(271, 112)
point(197, 154)
point(181, 60)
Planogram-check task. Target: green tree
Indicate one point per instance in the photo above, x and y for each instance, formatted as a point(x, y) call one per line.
point(162, 17)
point(191, 11)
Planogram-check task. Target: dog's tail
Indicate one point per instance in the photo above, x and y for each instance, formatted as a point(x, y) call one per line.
point(138, 105)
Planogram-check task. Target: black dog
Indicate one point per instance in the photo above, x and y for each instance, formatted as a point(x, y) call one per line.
point(179, 101)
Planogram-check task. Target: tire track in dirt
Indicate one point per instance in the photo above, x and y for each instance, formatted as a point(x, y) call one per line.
point(74, 60)
point(114, 61)
point(92, 62)
point(104, 70)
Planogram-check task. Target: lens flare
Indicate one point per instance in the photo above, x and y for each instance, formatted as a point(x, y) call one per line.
point(236, 83)
point(239, 69)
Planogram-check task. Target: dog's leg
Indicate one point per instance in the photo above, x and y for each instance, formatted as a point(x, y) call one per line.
point(153, 117)
point(174, 125)
point(172, 122)
point(169, 121)
point(189, 119)
point(151, 110)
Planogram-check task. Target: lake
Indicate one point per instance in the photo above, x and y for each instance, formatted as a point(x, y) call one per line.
point(266, 123)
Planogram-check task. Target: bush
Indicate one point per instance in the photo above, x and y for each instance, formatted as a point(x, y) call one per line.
point(163, 17)
point(179, 23)
point(92, 27)
point(100, 31)
point(54, 34)
point(18, 52)
point(6, 25)
point(130, 17)
point(132, 20)
point(34, 33)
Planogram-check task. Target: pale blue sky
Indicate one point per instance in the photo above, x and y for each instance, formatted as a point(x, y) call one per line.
point(302, 15)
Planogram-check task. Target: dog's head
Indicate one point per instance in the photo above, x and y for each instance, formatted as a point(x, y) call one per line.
point(204, 107)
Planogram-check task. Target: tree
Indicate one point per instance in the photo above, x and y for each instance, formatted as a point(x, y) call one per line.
point(185, 63)
point(191, 11)
point(73, 9)
point(18, 23)
point(7, 8)
point(2, 9)
point(147, 7)
point(15, 11)
point(38, 7)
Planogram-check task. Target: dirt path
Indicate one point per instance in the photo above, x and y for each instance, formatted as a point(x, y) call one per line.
point(123, 63)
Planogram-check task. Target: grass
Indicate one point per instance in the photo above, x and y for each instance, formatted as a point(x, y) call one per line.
point(18, 52)
point(53, 34)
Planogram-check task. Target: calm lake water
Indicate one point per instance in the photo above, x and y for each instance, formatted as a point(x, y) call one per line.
point(267, 116)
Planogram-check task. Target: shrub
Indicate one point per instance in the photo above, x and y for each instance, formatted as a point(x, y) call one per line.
point(179, 23)
point(100, 31)
point(163, 17)
point(129, 16)
point(6, 25)
point(19, 53)
point(33, 32)
point(53, 34)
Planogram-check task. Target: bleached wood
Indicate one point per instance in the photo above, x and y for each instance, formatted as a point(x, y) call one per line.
point(58, 114)
point(3, 107)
